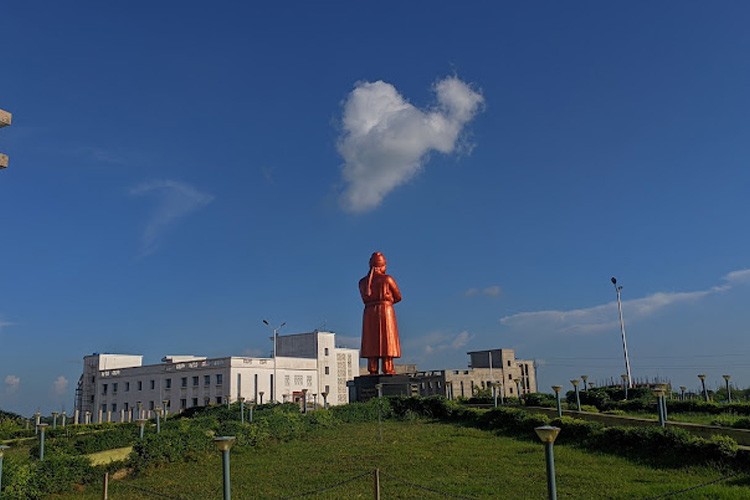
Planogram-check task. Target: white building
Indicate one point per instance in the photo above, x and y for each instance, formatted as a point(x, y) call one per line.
point(114, 386)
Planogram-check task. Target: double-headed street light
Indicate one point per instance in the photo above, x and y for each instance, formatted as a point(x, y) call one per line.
point(275, 335)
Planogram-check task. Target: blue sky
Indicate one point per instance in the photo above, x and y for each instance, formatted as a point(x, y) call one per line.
point(180, 172)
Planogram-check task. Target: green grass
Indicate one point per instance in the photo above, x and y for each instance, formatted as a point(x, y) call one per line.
point(108, 456)
point(453, 460)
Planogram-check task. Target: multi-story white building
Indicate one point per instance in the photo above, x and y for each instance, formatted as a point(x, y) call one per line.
point(113, 387)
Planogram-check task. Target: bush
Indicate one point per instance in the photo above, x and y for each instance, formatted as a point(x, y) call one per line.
point(541, 399)
point(173, 445)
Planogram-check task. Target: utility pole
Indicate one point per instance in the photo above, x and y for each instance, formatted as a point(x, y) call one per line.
point(618, 289)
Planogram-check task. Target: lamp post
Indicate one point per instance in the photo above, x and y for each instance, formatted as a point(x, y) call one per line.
point(142, 424)
point(261, 396)
point(304, 400)
point(63, 417)
point(729, 391)
point(659, 393)
point(584, 378)
point(702, 377)
point(557, 389)
point(618, 289)
point(494, 393)
point(54, 419)
point(228, 397)
point(502, 394)
point(682, 392)
point(224, 444)
point(42, 427)
point(547, 435)
point(3, 447)
point(37, 419)
point(242, 409)
point(158, 419)
point(275, 335)
point(624, 378)
point(517, 381)
point(575, 383)
point(325, 399)
point(165, 402)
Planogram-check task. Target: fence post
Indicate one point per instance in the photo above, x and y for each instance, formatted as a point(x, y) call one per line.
point(105, 491)
point(376, 479)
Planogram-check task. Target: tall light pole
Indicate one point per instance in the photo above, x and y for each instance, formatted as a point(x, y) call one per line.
point(275, 334)
point(729, 391)
point(618, 289)
point(702, 377)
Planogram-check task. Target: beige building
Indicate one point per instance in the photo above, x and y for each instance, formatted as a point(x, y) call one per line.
point(497, 367)
point(118, 387)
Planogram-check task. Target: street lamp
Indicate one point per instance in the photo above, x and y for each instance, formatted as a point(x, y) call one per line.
point(682, 392)
point(575, 383)
point(142, 425)
point(618, 289)
point(729, 391)
point(517, 381)
point(165, 402)
point(325, 399)
point(659, 393)
point(557, 389)
point(304, 400)
point(261, 396)
point(275, 335)
point(547, 435)
point(158, 419)
point(584, 378)
point(702, 376)
point(224, 444)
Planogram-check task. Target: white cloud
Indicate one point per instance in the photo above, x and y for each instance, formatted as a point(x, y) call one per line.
point(3, 324)
point(490, 291)
point(439, 341)
point(604, 317)
point(60, 385)
point(12, 383)
point(386, 140)
point(176, 200)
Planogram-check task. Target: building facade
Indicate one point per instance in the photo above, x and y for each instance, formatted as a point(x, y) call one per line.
point(118, 387)
point(499, 367)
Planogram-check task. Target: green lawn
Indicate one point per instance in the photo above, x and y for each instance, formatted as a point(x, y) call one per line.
point(450, 460)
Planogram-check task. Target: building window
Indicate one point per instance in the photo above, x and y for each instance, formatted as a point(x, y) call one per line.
point(328, 371)
point(104, 389)
point(206, 401)
point(183, 381)
point(309, 381)
point(114, 387)
point(206, 380)
point(153, 385)
point(510, 377)
point(195, 384)
point(219, 379)
point(114, 407)
point(92, 398)
point(326, 351)
point(127, 386)
point(127, 406)
point(140, 385)
point(508, 362)
point(286, 380)
point(298, 380)
point(328, 389)
point(183, 404)
point(218, 400)
point(195, 401)
point(168, 383)
point(104, 407)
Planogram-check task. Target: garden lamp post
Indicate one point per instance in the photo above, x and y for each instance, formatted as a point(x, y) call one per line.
point(224, 444)
point(42, 427)
point(517, 381)
point(659, 393)
point(557, 389)
point(682, 392)
point(3, 447)
point(315, 401)
point(325, 399)
point(142, 425)
point(261, 396)
point(502, 394)
point(54, 419)
point(228, 398)
point(250, 413)
point(494, 393)
point(702, 377)
point(165, 402)
point(242, 409)
point(584, 378)
point(547, 434)
point(624, 378)
point(63, 417)
point(575, 383)
point(304, 400)
point(729, 391)
point(158, 419)
point(37, 419)
point(275, 336)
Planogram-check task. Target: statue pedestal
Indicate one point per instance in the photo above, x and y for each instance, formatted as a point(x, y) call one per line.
point(365, 388)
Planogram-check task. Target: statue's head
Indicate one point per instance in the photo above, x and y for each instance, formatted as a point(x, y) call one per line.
point(377, 259)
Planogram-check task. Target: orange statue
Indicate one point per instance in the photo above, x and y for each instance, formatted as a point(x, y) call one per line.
point(379, 329)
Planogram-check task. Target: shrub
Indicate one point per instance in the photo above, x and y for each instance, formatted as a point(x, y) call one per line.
point(541, 399)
